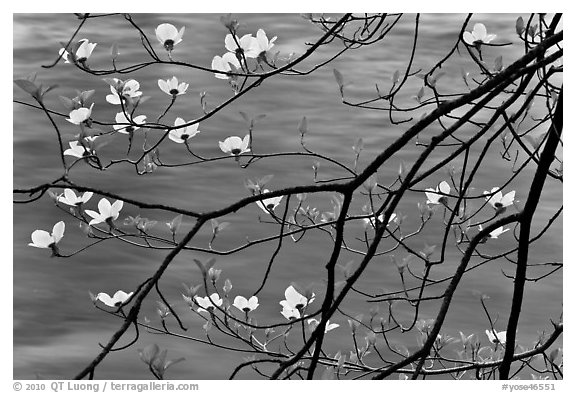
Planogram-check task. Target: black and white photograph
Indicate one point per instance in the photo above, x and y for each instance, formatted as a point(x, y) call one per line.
point(287, 196)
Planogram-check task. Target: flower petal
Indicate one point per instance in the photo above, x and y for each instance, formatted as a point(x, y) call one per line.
point(508, 199)
point(58, 231)
point(468, 38)
point(41, 239)
point(104, 207)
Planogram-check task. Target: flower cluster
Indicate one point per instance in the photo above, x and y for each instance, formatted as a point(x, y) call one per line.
point(439, 194)
point(122, 91)
point(295, 303)
point(240, 50)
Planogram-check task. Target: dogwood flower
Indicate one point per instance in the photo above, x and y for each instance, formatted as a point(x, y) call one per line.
point(122, 120)
point(246, 305)
point(119, 298)
point(434, 198)
point(64, 55)
point(169, 36)
point(207, 303)
point(498, 201)
point(43, 239)
point(84, 51)
point(295, 300)
point(329, 326)
point(498, 231)
point(495, 233)
point(234, 145)
point(123, 90)
point(107, 212)
point(171, 86)
point(70, 198)
point(499, 337)
point(290, 313)
point(262, 43)
point(478, 35)
point(247, 45)
point(269, 204)
point(77, 150)
point(80, 115)
point(371, 221)
point(223, 64)
point(181, 135)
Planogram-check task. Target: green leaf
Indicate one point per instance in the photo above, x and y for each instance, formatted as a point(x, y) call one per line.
point(264, 180)
point(174, 225)
point(498, 63)
point(303, 126)
point(201, 267)
point(520, 27)
point(358, 146)
point(46, 89)
point(68, 103)
point(339, 78)
point(114, 51)
point(173, 362)
point(149, 353)
point(27, 85)
point(111, 82)
point(396, 77)
point(245, 116)
point(85, 95)
point(420, 94)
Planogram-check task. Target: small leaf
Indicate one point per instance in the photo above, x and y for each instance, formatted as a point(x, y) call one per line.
point(396, 77)
point(227, 285)
point(339, 78)
point(401, 169)
point(172, 362)
point(420, 94)
point(520, 27)
point(264, 180)
point(214, 224)
point(114, 51)
point(85, 95)
point(303, 126)
point(149, 353)
point(358, 146)
point(112, 82)
point(244, 116)
point(27, 85)
point(46, 89)
point(68, 103)
point(498, 63)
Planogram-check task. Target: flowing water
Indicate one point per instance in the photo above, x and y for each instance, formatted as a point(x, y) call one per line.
point(56, 328)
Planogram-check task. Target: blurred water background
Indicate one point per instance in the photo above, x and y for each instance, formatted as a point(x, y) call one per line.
point(56, 328)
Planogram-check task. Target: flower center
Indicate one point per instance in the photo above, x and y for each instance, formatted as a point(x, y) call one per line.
point(246, 309)
point(498, 205)
point(270, 206)
point(184, 136)
point(130, 128)
point(174, 92)
point(169, 44)
point(86, 153)
point(236, 151)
